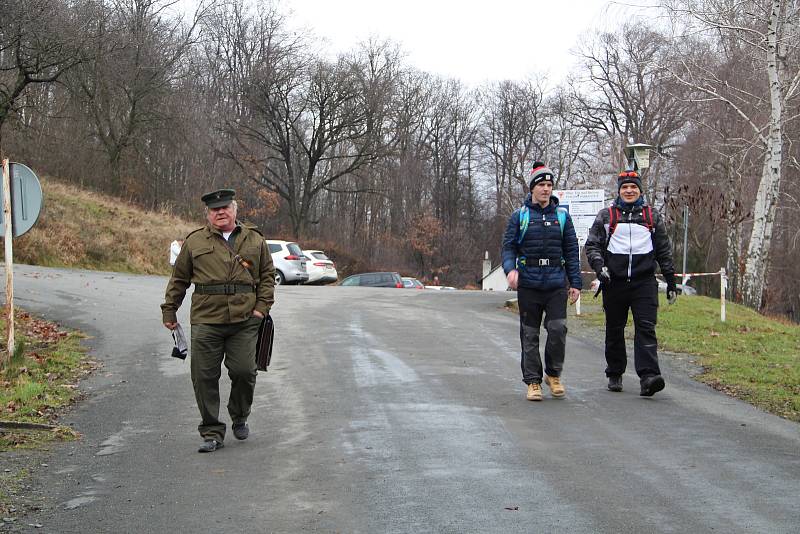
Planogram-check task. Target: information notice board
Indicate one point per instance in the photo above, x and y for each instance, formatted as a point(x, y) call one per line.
point(583, 205)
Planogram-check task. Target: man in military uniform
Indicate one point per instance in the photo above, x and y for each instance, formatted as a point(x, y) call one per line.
point(234, 286)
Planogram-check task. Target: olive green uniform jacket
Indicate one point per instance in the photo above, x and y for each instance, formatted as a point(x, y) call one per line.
point(204, 259)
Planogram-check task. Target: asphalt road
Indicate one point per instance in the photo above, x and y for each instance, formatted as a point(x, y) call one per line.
point(394, 411)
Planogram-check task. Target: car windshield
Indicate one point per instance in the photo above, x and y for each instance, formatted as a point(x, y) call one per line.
point(294, 248)
point(319, 255)
point(274, 248)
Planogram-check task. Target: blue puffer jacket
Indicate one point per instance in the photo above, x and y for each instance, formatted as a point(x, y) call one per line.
point(543, 243)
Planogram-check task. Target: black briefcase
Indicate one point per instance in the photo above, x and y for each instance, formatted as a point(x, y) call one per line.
point(266, 332)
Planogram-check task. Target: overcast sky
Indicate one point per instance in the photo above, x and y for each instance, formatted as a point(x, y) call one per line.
point(468, 39)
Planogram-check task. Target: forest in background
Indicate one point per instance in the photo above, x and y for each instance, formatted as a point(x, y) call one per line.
point(405, 170)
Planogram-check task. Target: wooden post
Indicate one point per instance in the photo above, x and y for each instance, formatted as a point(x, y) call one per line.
point(9, 260)
point(723, 284)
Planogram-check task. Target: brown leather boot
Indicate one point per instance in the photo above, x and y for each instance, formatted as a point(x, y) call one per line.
point(556, 387)
point(534, 392)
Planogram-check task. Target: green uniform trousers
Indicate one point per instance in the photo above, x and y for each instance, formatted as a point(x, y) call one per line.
point(236, 342)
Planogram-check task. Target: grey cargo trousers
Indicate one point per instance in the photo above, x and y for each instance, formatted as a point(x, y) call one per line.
point(533, 304)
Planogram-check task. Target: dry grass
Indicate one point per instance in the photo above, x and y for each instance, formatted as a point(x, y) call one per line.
point(87, 230)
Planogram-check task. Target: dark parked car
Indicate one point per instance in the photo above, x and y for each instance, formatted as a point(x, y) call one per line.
point(373, 280)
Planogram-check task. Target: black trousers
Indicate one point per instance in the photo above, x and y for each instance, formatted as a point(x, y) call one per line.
point(641, 297)
point(532, 305)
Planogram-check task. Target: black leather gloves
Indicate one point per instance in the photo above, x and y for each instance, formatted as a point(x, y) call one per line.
point(672, 289)
point(603, 275)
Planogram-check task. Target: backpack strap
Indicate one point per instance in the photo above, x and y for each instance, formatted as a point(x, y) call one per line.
point(613, 219)
point(647, 215)
point(524, 220)
point(561, 213)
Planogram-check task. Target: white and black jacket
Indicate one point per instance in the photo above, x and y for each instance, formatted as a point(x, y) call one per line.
point(633, 249)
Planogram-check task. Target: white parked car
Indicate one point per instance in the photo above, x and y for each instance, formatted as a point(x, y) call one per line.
point(682, 289)
point(412, 283)
point(320, 267)
point(290, 263)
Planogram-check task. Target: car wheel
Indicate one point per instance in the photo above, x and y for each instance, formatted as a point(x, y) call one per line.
point(279, 279)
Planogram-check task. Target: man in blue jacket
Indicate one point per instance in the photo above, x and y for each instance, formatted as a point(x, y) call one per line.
point(541, 261)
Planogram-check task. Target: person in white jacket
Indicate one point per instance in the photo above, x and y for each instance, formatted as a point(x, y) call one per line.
point(625, 244)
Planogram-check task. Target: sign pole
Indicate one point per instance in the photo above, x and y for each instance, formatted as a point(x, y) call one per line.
point(9, 260)
point(578, 302)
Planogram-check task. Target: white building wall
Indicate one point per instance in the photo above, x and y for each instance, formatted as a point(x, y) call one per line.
point(495, 281)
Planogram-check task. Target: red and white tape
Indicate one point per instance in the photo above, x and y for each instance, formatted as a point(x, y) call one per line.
point(690, 275)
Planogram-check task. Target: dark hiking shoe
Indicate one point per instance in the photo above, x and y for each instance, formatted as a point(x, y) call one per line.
point(210, 445)
point(241, 430)
point(651, 385)
point(615, 384)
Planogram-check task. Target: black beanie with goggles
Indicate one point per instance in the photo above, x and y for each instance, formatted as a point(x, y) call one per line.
point(629, 177)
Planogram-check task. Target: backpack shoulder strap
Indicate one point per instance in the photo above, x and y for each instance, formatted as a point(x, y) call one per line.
point(524, 220)
point(647, 215)
point(613, 219)
point(561, 213)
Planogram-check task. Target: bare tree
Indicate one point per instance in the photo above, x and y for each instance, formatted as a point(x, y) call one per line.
point(450, 139)
point(308, 124)
point(628, 93)
point(769, 32)
point(39, 41)
point(513, 136)
point(135, 64)
point(571, 151)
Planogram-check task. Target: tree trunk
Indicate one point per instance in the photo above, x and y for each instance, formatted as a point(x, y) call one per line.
point(767, 196)
point(733, 234)
point(733, 239)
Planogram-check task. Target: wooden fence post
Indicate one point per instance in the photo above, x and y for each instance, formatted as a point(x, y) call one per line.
point(723, 284)
point(9, 261)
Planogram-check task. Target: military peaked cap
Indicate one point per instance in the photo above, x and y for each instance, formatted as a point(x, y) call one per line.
point(219, 198)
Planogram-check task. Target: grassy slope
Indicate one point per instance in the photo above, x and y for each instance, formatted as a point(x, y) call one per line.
point(750, 356)
point(87, 230)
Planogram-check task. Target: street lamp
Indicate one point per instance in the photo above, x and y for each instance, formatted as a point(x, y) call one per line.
point(638, 156)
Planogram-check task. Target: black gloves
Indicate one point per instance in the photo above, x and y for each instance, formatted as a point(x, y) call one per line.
point(602, 273)
point(672, 289)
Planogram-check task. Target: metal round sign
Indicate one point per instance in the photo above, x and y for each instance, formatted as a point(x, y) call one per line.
point(26, 199)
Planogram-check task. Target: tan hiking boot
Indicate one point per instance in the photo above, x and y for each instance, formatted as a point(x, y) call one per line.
point(534, 392)
point(556, 387)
